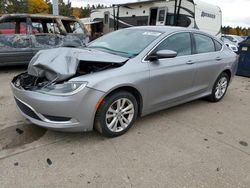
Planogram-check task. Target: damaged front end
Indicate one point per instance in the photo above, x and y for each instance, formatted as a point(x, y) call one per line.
point(50, 71)
point(28, 82)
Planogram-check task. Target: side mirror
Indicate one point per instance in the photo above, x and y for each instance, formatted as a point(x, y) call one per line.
point(162, 54)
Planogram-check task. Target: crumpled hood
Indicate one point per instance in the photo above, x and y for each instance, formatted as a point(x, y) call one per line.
point(61, 63)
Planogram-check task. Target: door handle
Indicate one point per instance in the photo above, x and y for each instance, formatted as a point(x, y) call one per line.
point(190, 62)
point(218, 58)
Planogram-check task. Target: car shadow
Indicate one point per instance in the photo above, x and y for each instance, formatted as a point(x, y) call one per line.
point(142, 122)
point(23, 134)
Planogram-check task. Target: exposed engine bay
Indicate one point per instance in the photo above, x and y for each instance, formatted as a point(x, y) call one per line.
point(59, 65)
point(30, 82)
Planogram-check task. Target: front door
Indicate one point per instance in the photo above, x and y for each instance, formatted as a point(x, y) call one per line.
point(46, 34)
point(171, 79)
point(161, 16)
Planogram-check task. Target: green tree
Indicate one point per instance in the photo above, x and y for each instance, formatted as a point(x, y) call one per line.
point(241, 31)
point(65, 8)
point(2, 7)
point(85, 12)
point(50, 6)
point(16, 6)
point(76, 12)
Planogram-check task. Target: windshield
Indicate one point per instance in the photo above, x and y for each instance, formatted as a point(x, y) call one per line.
point(240, 39)
point(126, 42)
point(234, 38)
point(226, 40)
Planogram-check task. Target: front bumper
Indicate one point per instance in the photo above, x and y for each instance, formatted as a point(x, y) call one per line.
point(73, 113)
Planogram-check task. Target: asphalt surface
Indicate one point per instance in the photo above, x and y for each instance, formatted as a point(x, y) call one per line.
point(198, 144)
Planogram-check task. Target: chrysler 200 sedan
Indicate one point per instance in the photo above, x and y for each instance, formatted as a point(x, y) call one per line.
point(122, 75)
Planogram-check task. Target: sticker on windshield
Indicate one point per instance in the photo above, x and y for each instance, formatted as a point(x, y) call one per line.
point(156, 34)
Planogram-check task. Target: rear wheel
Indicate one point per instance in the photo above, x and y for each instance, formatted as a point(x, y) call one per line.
point(219, 88)
point(116, 114)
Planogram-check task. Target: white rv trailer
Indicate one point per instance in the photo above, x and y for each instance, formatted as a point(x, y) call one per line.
point(185, 13)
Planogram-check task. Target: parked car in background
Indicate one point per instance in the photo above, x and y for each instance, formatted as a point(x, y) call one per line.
point(230, 44)
point(122, 75)
point(244, 37)
point(234, 38)
point(23, 35)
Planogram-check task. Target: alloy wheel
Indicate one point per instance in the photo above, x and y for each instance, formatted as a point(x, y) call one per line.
point(221, 87)
point(119, 115)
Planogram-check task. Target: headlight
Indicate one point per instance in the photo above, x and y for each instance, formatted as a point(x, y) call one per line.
point(65, 89)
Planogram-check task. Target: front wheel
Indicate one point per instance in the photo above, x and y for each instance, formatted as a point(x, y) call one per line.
point(116, 114)
point(219, 88)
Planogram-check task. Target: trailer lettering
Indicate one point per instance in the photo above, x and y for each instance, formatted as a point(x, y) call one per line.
point(205, 14)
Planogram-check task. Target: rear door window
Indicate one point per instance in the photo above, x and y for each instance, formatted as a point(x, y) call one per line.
point(218, 46)
point(7, 28)
point(13, 27)
point(203, 43)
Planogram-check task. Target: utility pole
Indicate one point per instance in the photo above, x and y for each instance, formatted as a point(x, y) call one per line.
point(55, 8)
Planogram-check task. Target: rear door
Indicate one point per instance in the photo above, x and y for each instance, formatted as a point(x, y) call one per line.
point(171, 79)
point(209, 61)
point(15, 42)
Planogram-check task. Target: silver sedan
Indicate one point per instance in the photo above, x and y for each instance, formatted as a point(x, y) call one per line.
point(122, 75)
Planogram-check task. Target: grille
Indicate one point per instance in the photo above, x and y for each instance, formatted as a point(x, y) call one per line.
point(26, 110)
point(55, 118)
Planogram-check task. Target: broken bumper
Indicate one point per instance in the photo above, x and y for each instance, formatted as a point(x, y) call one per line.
point(73, 113)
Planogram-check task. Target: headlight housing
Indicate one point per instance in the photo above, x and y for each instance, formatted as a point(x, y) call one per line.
point(65, 89)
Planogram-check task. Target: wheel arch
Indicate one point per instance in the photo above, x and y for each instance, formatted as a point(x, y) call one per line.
point(228, 72)
point(134, 91)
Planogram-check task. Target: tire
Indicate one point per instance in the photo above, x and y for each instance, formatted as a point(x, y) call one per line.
point(113, 122)
point(219, 88)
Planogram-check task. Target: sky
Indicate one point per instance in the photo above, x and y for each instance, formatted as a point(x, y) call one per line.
point(234, 12)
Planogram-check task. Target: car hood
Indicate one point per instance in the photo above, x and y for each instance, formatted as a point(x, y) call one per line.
point(60, 64)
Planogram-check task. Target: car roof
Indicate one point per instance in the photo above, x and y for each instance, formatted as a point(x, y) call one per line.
point(167, 29)
point(172, 29)
point(45, 16)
